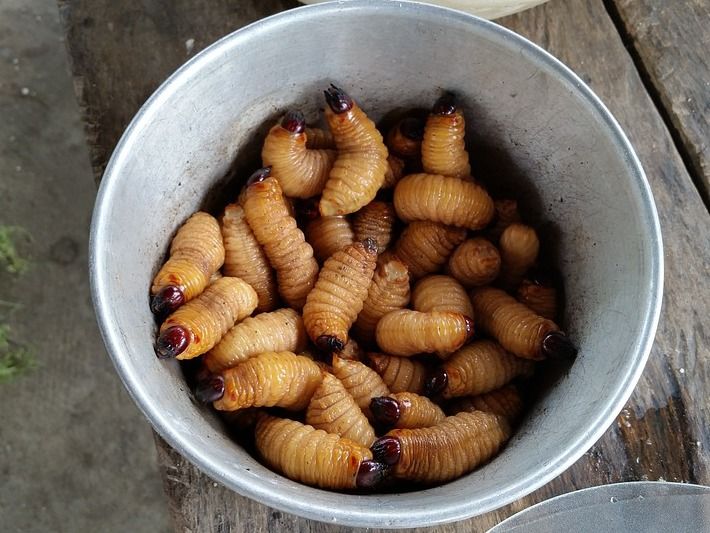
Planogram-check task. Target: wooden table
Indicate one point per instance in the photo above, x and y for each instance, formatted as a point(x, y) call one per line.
point(648, 61)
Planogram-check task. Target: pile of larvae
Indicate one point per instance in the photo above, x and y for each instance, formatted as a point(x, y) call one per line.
point(363, 306)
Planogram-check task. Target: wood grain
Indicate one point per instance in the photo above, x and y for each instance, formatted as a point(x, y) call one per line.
point(661, 433)
point(671, 44)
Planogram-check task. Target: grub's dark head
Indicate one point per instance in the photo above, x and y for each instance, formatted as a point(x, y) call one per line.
point(338, 100)
point(294, 122)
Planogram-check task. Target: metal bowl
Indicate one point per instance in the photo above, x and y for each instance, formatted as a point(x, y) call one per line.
point(532, 122)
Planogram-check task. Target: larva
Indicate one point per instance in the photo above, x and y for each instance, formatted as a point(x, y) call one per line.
point(351, 351)
point(300, 170)
point(425, 246)
point(443, 148)
point(332, 409)
point(400, 374)
point(197, 326)
point(406, 332)
point(361, 382)
point(443, 452)
point(518, 329)
point(284, 244)
point(506, 213)
point(443, 199)
point(328, 235)
point(480, 367)
point(406, 410)
point(196, 253)
point(541, 298)
point(245, 259)
point(278, 331)
point(314, 457)
point(270, 379)
point(394, 172)
point(441, 293)
point(505, 402)
point(317, 138)
point(359, 169)
point(475, 262)
point(388, 291)
point(337, 298)
point(519, 247)
point(376, 220)
point(404, 139)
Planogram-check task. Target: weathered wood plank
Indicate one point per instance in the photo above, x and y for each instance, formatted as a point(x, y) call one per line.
point(671, 41)
point(661, 432)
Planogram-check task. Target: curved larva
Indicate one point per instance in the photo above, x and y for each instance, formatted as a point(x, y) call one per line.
point(443, 146)
point(244, 257)
point(361, 382)
point(400, 374)
point(332, 409)
point(376, 221)
point(443, 199)
point(416, 411)
point(328, 235)
point(424, 247)
point(270, 379)
point(505, 402)
point(519, 246)
point(278, 331)
point(441, 293)
point(475, 262)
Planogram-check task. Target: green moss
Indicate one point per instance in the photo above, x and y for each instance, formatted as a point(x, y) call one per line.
point(14, 359)
point(10, 258)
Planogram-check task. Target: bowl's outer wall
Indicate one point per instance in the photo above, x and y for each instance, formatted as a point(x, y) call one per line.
point(530, 122)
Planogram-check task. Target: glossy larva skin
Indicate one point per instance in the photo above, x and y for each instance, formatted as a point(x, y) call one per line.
point(481, 367)
point(505, 402)
point(474, 263)
point(376, 220)
point(443, 199)
point(452, 448)
point(270, 379)
point(196, 253)
point(417, 411)
point(334, 410)
point(406, 333)
point(519, 247)
point(388, 291)
point(317, 138)
point(209, 316)
point(337, 298)
point(541, 299)
point(361, 382)
point(359, 169)
point(277, 331)
point(302, 171)
point(517, 328)
point(244, 258)
point(394, 172)
point(328, 235)
point(443, 147)
point(441, 293)
point(426, 246)
point(309, 455)
point(284, 244)
point(400, 374)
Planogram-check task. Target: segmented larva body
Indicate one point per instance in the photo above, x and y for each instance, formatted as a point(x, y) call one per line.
point(425, 246)
point(404, 139)
point(475, 262)
point(317, 138)
point(441, 293)
point(407, 410)
point(405, 332)
point(361, 382)
point(519, 247)
point(337, 298)
point(245, 259)
point(196, 252)
point(278, 331)
point(328, 235)
point(394, 172)
point(359, 169)
point(332, 409)
point(450, 449)
point(481, 367)
point(309, 455)
point(518, 329)
point(505, 402)
point(284, 244)
point(388, 291)
point(376, 221)
point(443, 147)
point(443, 199)
point(506, 213)
point(198, 326)
point(400, 374)
point(301, 171)
point(541, 299)
point(270, 379)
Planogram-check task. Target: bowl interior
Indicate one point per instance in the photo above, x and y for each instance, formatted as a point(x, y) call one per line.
point(530, 123)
